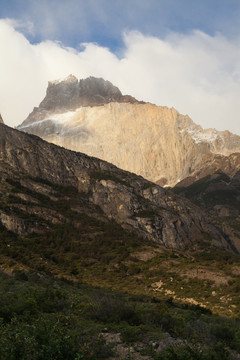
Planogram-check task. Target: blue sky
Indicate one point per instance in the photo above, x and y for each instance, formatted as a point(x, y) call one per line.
point(180, 53)
point(103, 21)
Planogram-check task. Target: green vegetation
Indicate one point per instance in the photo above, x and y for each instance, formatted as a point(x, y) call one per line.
point(45, 318)
point(83, 275)
point(186, 352)
point(41, 318)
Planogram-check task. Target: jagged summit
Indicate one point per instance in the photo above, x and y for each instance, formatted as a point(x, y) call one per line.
point(98, 86)
point(90, 87)
point(69, 93)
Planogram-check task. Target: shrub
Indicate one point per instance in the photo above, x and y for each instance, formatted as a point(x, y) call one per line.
point(49, 339)
point(223, 332)
point(184, 352)
point(187, 352)
point(130, 334)
point(111, 308)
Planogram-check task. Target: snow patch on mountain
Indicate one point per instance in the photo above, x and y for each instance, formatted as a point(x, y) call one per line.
point(199, 135)
point(55, 118)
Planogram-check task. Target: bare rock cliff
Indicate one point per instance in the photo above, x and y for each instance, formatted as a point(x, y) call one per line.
point(153, 141)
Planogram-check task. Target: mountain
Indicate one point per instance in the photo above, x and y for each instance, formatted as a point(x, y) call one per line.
point(229, 165)
point(129, 200)
point(99, 263)
point(217, 193)
point(66, 213)
point(158, 143)
point(69, 94)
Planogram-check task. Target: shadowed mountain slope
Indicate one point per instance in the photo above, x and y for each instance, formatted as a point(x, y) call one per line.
point(218, 194)
point(134, 203)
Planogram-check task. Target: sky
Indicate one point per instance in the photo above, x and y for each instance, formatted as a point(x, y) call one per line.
point(177, 53)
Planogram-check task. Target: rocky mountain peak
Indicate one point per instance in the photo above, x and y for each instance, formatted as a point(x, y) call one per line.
point(93, 86)
point(69, 94)
point(158, 143)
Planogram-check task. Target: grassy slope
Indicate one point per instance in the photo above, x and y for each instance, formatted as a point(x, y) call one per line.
point(162, 291)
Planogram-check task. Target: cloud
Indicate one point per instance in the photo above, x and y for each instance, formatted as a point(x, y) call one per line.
point(196, 73)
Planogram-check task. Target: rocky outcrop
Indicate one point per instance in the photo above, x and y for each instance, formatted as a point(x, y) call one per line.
point(16, 224)
point(155, 142)
point(29, 164)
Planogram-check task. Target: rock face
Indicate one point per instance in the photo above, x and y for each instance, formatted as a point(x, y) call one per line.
point(30, 167)
point(218, 194)
point(153, 141)
point(1, 119)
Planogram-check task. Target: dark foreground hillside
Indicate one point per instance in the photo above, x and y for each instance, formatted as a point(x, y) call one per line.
point(45, 318)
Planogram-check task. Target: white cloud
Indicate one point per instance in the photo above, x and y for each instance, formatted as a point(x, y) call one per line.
point(195, 73)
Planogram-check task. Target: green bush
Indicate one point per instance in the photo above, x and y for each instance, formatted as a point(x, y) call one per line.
point(48, 339)
point(223, 332)
point(187, 352)
point(130, 334)
point(111, 308)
